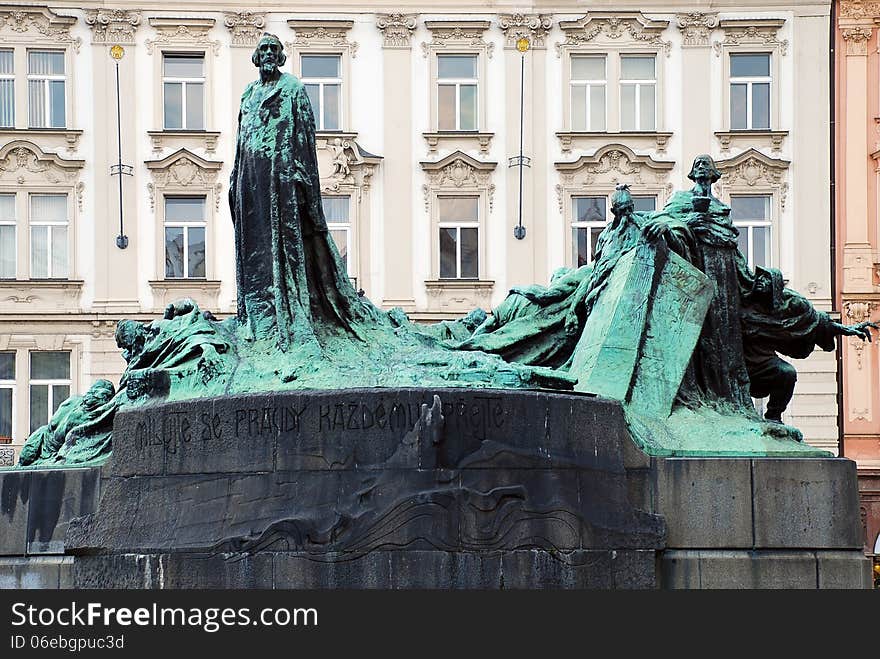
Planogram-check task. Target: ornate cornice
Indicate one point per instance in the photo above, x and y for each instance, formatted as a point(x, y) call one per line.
point(244, 27)
point(24, 162)
point(858, 9)
point(751, 32)
point(533, 27)
point(856, 39)
point(113, 26)
point(322, 33)
point(457, 171)
point(614, 28)
point(184, 169)
point(752, 168)
point(468, 34)
point(695, 27)
point(397, 29)
point(23, 23)
point(182, 32)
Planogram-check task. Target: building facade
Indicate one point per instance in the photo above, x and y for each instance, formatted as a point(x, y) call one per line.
point(418, 115)
point(857, 155)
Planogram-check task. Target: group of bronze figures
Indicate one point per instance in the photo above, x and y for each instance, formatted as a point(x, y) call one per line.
point(294, 294)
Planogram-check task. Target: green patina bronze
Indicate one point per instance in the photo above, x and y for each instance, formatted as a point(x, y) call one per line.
point(668, 318)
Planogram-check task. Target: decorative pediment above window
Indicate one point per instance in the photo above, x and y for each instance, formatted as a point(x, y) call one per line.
point(38, 25)
point(753, 169)
point(610, 165)
point(244, 27)
point(533, 27)
point(344, 165)
point(25, 163)
point(458, 171)
point(184, 169)
point(113, 26)
point(455, 34)
point(397, 29)
point(600, 28)
point(309, 33)
point(182, 32)
point(751, 32)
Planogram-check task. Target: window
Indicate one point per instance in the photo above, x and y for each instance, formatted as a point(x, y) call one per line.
point(46, 102)
point(750, 91)
point(638, 85)
point(457, 92)
point(7, 236)
point(321, 75)
point(751, 215)
point(7, 396)
point(50, 385)
point(185, 237)
point(588, 85)
point(7, 88)
point(183, 89)
point(48, 224)
point(336, 212)
point(459, 237)
point(590, 215)
point(644, 203)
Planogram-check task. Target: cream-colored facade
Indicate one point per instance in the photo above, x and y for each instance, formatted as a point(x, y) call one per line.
point(421, 114)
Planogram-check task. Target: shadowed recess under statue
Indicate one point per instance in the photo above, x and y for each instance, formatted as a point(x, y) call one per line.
point(668, 319)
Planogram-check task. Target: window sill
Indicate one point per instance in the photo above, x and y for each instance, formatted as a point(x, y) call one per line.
point(205, 292)
point(39, 295)
point(751, 139)
point(586, 140)
point(458, 295)
point(458, 139)
point(206, 139)
point(54, 137)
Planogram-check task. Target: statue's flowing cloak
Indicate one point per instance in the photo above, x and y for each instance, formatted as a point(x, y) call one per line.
point(737, 329)
point(288, 272)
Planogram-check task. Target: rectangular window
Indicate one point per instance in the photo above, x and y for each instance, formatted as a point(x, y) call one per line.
point(336, 212)
point(751, 215)
point(46, 97)
point(644, 203)
point(638, 90)
point(49, 384)
point(7, 397)
point(183, 91)
point(457, 103)
point(7, 236)
point(49, 231)
point(590, 215)
point(322, 77)
point(7, 88)
point(185, 237)
point(750, 91)
point(459, 237)
point(588, 84)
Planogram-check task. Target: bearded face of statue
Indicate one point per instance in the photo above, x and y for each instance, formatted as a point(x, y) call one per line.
point(269, 56)
point(98, 394)
point(704, 170)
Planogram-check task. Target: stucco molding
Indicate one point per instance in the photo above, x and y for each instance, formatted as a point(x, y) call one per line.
point(458, 170)
point(33, 24)
point(182, 31)
point(452, 34)
point(26, 163)
point(751, 32)
point(309, 33)
point(613, 164)
point(696, 27)
point(858, 9)
point(856, 39)
point(614, 29)
point(397, 29)
point(244, 27)
point(533, 27)
point(753, 169)
point(184, 169)
point(113, 26)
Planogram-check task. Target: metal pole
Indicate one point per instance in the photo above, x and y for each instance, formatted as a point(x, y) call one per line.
point(519, 231)
point(121, 239)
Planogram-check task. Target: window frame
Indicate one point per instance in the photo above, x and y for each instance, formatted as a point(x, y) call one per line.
point(185, 225)
point(750, 81)
point(638, 84)
point(68, 224)
point(458, 83)
point(12, 385)
point(587, 84)
point(481, 110)
point(348, 227)
point(47, 78)
point(50, 383)
point(321, 82)
point(749, 225)
point(10, 76)
point(459, 225)
point(15, 234)
point(575, 224)
point(183, 84)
